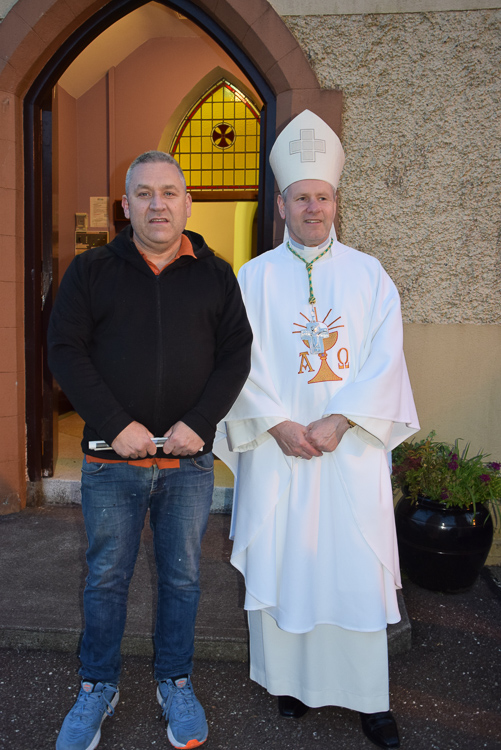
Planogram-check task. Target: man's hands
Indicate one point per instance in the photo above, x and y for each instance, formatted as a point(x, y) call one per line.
point(322, 436)
point(134, 442)
point(182, 441)
point(325, 434)
point(291, 437)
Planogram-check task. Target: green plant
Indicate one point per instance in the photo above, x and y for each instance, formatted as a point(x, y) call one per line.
point(442, 473)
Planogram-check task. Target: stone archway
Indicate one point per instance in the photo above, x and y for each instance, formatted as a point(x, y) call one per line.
point(33, 31)
point(33, 35)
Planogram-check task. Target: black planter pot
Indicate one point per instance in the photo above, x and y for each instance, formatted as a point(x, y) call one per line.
point(442, 549)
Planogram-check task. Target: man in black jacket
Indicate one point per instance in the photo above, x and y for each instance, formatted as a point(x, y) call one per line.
point(148, 338)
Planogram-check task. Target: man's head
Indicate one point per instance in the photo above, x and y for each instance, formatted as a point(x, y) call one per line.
point(156, 202)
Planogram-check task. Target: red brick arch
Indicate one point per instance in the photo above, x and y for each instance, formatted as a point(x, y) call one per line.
point(33, 31)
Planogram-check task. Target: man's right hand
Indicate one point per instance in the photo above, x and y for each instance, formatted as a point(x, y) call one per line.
point(134, 442)
point(291, 437)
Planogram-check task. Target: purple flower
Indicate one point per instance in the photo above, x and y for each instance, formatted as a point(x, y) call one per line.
point(453, 465)
point(484, 478)
point(444, 494)
point(494, 465)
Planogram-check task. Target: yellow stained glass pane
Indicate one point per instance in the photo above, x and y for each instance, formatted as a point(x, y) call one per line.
point(251, 126)
point(196, 128)
point(239, 177)
point(217, 161)
point(239, 161)
point(206, 110)
point(207, 127)
point(207, 161)
point(229, 111)
point(218, 95)
point(196, 145)
point(250, 161)
point(250, 143)
point(196, 161)
point(207, 145)
point(217, 177)
point(240, 127)
point(228, 160)
point(228, 178)
point(197, 115)
point(184, 162)
point(251, 177)
point(240, 110)
point(206, 178)
point(217, 113)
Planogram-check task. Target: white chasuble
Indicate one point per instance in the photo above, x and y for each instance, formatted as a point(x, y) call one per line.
point(315, 540)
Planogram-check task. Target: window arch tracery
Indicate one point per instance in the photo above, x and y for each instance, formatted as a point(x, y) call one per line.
point(217, 144)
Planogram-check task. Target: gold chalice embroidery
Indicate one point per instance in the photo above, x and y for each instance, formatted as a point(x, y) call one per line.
point(319, 337)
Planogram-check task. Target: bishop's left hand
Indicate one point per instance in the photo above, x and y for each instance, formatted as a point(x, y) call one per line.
point(182, 441)
point(325, 434)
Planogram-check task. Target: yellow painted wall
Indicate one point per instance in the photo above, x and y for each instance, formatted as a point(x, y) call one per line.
point(455, 377)
point(244, 219)
point(215, 222)
point(226, 227)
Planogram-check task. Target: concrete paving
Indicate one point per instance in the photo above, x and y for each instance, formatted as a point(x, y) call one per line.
point(42, 551)
point(445, 688)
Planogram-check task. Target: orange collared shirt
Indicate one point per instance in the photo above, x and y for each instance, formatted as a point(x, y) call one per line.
point(185, 248)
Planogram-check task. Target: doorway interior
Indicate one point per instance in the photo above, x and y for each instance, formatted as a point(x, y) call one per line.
point(148, 81)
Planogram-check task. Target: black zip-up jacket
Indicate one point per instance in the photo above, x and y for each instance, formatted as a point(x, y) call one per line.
point(126, 345)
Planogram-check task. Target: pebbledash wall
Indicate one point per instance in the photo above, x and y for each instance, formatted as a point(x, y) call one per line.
point(420, 190)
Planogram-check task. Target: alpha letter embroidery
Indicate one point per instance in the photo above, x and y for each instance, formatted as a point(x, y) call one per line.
point(305, 363)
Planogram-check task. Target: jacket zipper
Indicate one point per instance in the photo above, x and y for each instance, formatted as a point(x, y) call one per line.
point(160, 367)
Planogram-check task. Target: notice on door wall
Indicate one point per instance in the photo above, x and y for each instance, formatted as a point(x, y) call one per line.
point(99, 211)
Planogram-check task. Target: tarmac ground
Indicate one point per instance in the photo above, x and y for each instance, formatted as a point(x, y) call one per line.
point(445, 688)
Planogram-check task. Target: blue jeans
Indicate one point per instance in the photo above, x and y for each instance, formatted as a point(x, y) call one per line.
point(115, 499)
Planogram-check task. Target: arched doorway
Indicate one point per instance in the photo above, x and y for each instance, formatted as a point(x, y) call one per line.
point(254, 36)
point(45, 414)
point(151, 80)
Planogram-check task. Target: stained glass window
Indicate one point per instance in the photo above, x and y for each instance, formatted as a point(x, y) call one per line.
point(217, 144)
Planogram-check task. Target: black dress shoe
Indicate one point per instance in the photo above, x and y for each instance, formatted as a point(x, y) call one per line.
point(290, 707)
point(381, 728)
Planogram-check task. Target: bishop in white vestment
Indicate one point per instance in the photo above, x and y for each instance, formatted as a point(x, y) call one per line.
point(308, 439)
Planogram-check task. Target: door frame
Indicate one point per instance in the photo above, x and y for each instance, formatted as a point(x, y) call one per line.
point(37, 132)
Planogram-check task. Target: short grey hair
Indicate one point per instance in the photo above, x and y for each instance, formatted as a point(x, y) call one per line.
point(151, 157)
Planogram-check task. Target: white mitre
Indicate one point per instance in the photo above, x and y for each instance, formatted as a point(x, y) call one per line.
point(307, 149)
